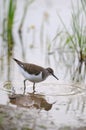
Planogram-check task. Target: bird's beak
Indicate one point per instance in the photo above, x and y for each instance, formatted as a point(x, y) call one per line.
point(55, 76)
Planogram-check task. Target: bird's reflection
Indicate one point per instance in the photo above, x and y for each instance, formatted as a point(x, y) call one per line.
point(30, 101)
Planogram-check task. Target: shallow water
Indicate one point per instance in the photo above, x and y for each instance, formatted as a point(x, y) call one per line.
point(57, 105)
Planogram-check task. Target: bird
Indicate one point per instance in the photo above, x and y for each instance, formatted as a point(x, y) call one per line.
point(34, 73)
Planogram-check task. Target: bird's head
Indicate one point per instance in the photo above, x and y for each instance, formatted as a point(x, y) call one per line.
point(51, 72)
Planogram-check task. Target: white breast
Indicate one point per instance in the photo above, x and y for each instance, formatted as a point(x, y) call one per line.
point(31, 77)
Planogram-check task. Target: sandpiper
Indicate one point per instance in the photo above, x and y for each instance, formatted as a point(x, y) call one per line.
point(34, 73)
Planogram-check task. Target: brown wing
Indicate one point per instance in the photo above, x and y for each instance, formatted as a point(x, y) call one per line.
point(32, 69)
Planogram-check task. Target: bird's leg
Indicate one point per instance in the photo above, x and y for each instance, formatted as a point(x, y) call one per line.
point(33, 87)
point(24, 86)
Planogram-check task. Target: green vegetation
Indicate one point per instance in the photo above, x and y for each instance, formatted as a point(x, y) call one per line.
point(1, 118)
point(7, 30)
point(71, 43)
point(10, 22)
point(74, 39)
point(27, 4)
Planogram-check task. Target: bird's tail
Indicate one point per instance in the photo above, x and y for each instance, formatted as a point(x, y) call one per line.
point(17, 61)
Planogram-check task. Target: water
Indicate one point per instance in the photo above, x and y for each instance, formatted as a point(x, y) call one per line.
point(61, 103)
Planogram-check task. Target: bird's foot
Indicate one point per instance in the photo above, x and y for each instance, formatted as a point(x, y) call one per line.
point(24, 93)
point(34, 91)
